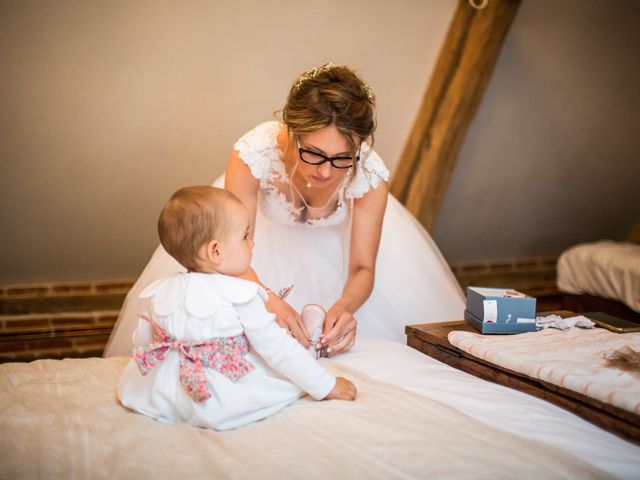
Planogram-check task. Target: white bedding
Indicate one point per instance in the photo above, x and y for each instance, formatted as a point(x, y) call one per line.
point(604, 269)
point(495, 405)
point(45, 409)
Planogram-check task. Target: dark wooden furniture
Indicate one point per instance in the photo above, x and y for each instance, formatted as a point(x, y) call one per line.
point(589, 303)
point(431, 338)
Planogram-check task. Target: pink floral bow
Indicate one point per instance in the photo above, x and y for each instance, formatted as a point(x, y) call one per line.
point(224, 354)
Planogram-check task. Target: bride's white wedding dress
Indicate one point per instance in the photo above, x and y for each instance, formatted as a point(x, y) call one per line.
point(297, 245)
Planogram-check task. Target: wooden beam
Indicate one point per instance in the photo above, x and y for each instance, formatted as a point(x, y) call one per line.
point(459, 79)
point(634, 234)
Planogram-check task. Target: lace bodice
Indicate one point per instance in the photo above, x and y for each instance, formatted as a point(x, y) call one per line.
point(259, 150)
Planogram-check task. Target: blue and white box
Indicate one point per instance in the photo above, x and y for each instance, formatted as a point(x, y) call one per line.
point(500, 310)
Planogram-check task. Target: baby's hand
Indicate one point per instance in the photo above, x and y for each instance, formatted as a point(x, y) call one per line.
point(344, 390)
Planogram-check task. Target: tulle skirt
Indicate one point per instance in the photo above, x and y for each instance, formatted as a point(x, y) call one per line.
point(413, 282)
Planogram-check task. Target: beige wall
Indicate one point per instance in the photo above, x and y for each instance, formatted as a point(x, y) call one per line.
point(552, 157)
point(109, 106)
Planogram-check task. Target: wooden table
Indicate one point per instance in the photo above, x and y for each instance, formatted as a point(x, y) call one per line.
point(431, 338)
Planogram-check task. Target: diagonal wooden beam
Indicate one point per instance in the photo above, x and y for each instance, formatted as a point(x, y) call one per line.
point(461, 74)
point(634, 234)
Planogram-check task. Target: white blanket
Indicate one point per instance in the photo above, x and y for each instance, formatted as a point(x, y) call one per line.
point(494, 405)
point(605, 269)
point(60, 419)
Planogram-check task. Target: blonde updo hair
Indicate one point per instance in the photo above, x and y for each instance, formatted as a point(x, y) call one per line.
point(192, 217)
point(331, 95)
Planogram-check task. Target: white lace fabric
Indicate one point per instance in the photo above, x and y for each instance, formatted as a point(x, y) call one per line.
point(259, 150)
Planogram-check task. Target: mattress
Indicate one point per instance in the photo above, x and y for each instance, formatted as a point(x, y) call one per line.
point(61, 419)
point(604, 269)
point(494, 405)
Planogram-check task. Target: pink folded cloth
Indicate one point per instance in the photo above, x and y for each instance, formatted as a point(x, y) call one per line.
point(572, 358)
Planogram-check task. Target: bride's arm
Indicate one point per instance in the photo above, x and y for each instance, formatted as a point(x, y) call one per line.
point(368, 212)
point(240, 181)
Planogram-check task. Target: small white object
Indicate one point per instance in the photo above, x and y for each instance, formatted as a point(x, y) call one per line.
point(479, 5)
point(525, 320)
point(490, 308)
point(555, 321)
point(313, 318)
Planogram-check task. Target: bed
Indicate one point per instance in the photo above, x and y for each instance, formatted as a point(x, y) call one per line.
point(414, 418)
point(603, 276)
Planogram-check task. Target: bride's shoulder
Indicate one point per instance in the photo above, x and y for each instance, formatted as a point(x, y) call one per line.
point(258, 148)
point(370, 173)
point(261, 137)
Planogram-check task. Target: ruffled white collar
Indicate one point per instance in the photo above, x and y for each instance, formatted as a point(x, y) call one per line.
point(201, 293)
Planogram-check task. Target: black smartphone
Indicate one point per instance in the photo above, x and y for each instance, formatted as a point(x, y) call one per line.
point(615, 324)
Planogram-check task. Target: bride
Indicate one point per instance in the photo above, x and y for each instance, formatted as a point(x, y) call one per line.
point(326, 229)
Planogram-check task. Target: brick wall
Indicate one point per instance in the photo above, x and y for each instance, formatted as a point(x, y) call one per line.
point(533, 276)
point(75, 320)
point(58, 320)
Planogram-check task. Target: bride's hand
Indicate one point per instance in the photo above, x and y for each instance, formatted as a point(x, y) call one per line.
point(339, 332)
point(288, 318)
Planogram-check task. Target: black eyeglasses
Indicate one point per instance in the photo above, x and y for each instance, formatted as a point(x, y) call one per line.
point(315, 158)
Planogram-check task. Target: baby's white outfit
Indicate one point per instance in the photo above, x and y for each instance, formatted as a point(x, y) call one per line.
point(210, 355)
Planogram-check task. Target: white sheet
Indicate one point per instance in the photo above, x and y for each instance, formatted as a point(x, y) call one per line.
point(605, 269)
point(71, 400)
point(60, 419)
point(495, 405)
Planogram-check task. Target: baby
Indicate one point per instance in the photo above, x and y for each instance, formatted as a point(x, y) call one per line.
point(208, 353)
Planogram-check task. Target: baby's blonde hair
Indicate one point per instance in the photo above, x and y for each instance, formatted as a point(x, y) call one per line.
point(192, 217)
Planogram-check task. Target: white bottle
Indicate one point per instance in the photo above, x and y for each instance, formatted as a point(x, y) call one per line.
point(313, 318)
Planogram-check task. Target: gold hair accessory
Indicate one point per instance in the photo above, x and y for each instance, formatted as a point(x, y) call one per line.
point(315, 71)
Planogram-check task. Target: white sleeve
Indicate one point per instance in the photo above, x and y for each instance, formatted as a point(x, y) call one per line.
point(369, 175)
point(282, 352)
point(257, 149)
